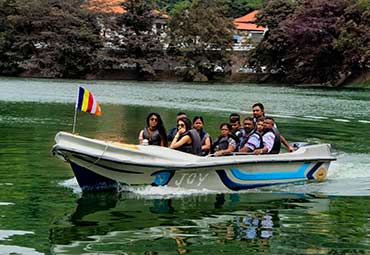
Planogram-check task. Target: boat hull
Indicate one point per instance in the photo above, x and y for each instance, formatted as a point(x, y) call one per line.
point(103, 165)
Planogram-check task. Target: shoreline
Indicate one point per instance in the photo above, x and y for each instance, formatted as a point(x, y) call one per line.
point(359, 82)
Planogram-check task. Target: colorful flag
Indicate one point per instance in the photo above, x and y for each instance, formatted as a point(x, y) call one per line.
point(86, 102)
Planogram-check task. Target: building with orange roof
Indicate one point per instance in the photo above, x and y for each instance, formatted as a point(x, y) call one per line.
point(106, 6)
point(247, 32)
point(115, 7)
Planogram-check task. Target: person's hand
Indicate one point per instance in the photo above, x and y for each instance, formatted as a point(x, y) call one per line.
point(219, 153)
point(258, 151)
point(290, 148)
point(181, 130)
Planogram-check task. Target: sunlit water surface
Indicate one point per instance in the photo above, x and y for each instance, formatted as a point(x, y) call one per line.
point(42, 210)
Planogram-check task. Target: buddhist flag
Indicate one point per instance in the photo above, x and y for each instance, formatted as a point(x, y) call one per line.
point(86, 102)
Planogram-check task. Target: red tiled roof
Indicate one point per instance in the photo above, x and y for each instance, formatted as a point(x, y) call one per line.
point(158, 13)
point(106, 6)
point(114, 6)
point(247, 22)
point(249, 18)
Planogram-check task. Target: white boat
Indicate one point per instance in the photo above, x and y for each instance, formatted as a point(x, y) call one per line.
point(99, 164)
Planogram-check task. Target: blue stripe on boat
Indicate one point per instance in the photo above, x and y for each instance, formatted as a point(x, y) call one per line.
point(237, 186)
point(300, 173)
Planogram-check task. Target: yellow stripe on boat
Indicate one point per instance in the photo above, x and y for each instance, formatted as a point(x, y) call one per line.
point(126, 145)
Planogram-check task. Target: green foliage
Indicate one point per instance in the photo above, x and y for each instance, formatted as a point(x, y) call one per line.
point(201, 39)
point(235, 8)
point(134, 42)
point(179, 8)
point(238, 8)
point(56, 38)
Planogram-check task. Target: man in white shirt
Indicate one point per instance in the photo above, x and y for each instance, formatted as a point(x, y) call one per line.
point(270, 138)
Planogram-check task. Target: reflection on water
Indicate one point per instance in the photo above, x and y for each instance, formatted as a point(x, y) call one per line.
point(183, 225)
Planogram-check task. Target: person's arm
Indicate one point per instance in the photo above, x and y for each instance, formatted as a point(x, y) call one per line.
point(268, 141)
point(176, 143)
point(286, 144)
point(162, 142)
point(230, 148)
point(141, 137)
point(261, 151)
point(207, 144)
point(251, 144)
point(245, 148)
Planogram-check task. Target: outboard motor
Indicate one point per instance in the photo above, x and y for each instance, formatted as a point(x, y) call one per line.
point(298, 145)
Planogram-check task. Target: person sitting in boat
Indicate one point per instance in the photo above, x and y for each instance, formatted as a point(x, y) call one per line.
point(259, 125)
point(186, 139)
point(252, 140)
point(225, 143)
point(174, 130)
point(270, 137)
point(154, 131)
point(237, 131)
point(258, 111)
point(234, 117)
point(205, 138)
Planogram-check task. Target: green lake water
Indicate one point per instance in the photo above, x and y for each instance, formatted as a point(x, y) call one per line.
point(42, 210)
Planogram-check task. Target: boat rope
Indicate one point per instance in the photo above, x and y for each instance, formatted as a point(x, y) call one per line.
point(99, 158)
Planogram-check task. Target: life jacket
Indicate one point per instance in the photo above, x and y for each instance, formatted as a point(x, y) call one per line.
point(246, 137)
point(203, 135)
point(195, 147)
point(154, 138)
point(220, 143)
point(277, 142)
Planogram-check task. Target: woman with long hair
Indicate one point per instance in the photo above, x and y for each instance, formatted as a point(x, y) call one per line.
point(186, 139)
point(154, 131)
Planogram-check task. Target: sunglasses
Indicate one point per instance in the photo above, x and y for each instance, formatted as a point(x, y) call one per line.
point(181, 125)
point(153, 119)
point(224, 129)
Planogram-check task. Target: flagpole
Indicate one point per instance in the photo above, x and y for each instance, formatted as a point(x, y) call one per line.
point(74, 121)
point(75, 118)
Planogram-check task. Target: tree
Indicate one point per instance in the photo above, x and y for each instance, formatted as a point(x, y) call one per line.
point(53, 37)
point(273, 48)
point(306, 44)
point(237, 8)
point(354, 39)
point(136, 42)
point(201, 40)
point(9, 55)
